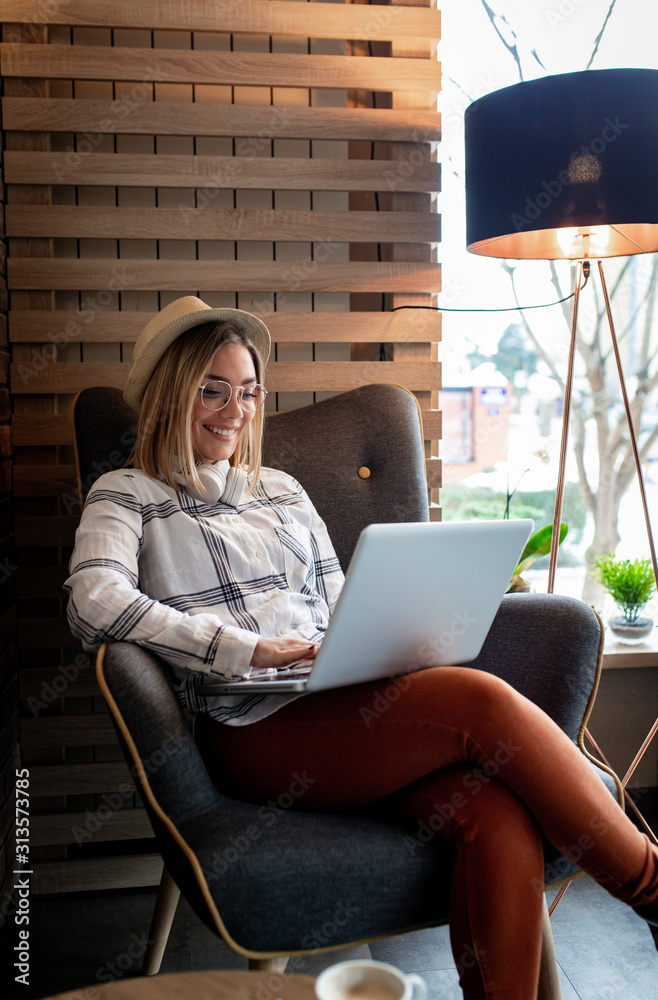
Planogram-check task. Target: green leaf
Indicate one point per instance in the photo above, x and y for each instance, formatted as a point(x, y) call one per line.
point(539, 544)
point(630, 582)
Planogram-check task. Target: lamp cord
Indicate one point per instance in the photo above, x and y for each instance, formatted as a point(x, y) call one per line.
point(541, 305)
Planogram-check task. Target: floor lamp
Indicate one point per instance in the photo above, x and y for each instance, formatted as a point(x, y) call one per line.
point(566, 167)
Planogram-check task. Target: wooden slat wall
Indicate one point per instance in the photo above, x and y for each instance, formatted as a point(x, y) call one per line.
point(261, 17)
point(155, 150)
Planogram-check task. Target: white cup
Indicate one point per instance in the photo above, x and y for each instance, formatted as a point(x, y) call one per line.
point(368, 980)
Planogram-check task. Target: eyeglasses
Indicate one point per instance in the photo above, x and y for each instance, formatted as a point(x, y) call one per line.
point(217, 395)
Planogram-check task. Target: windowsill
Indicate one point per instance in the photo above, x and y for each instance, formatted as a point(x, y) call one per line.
point(617, 655)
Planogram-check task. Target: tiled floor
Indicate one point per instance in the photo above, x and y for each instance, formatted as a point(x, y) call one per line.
point(605, 951)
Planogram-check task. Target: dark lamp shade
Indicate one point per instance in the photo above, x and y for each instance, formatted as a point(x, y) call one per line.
point(564, 167)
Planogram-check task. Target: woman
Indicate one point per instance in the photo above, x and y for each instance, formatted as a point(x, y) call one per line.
point(220, 566)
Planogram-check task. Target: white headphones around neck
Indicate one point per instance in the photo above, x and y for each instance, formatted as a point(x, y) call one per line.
point(223, 483)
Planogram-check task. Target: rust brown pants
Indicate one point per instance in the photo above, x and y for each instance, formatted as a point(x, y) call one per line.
point(476, 762)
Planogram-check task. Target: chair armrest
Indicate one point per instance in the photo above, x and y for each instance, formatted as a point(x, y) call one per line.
point(154, 732)
point(549, 648)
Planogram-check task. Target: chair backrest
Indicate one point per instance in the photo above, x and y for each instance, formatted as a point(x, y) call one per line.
point(375, 427)
point(104, 432)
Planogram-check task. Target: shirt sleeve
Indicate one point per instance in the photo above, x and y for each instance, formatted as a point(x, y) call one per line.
point(106, 605)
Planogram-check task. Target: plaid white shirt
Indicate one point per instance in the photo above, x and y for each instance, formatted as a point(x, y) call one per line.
point(198, 583)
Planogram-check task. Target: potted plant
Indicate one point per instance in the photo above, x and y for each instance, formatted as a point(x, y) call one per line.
point(539, 544)
point(630, 583)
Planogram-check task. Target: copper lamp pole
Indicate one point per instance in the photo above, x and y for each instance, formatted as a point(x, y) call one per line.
point(629, 421)
point(566, 415)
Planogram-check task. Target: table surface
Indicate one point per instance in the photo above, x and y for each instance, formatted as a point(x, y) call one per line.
point(209, 985)
point(618, 654)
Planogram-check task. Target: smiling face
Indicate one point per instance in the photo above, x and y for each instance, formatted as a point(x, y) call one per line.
point(216, 433)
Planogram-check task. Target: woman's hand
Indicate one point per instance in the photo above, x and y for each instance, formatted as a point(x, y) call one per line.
point(280, 651)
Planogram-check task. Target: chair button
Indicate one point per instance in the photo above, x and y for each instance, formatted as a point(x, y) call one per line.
point(364, 472)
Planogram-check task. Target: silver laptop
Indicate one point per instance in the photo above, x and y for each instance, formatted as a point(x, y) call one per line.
point(416, 595)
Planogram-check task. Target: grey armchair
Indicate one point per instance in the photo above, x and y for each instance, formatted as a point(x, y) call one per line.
point(270, 880)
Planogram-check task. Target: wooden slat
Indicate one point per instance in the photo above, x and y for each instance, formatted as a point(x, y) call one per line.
point(185, 223)
point(283, 376)
point(121, 872)
point(45, 481)
point(48, 684)
point(78, 779)
point(45, 532)
point(61, 328)
point(68, 731)
point(224, 276)
point(44, 633)
point(87, 62)
point(29, 429)
point(433, 472)
point(311, 20)
point(163, 118)
point(431, 424)
point(120, 824)
point(212, 173)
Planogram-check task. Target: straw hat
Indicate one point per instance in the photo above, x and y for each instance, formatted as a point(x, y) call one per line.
point(170, 322)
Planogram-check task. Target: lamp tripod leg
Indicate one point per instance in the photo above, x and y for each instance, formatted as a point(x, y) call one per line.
point(640, 478)
point(566, 416)
point(629, 421)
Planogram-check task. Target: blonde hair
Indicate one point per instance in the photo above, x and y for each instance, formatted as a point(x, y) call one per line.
point(164, 448)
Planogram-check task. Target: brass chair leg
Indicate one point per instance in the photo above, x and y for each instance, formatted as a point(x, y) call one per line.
point(163, 917)
point(549, 977)
point(277, 964)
